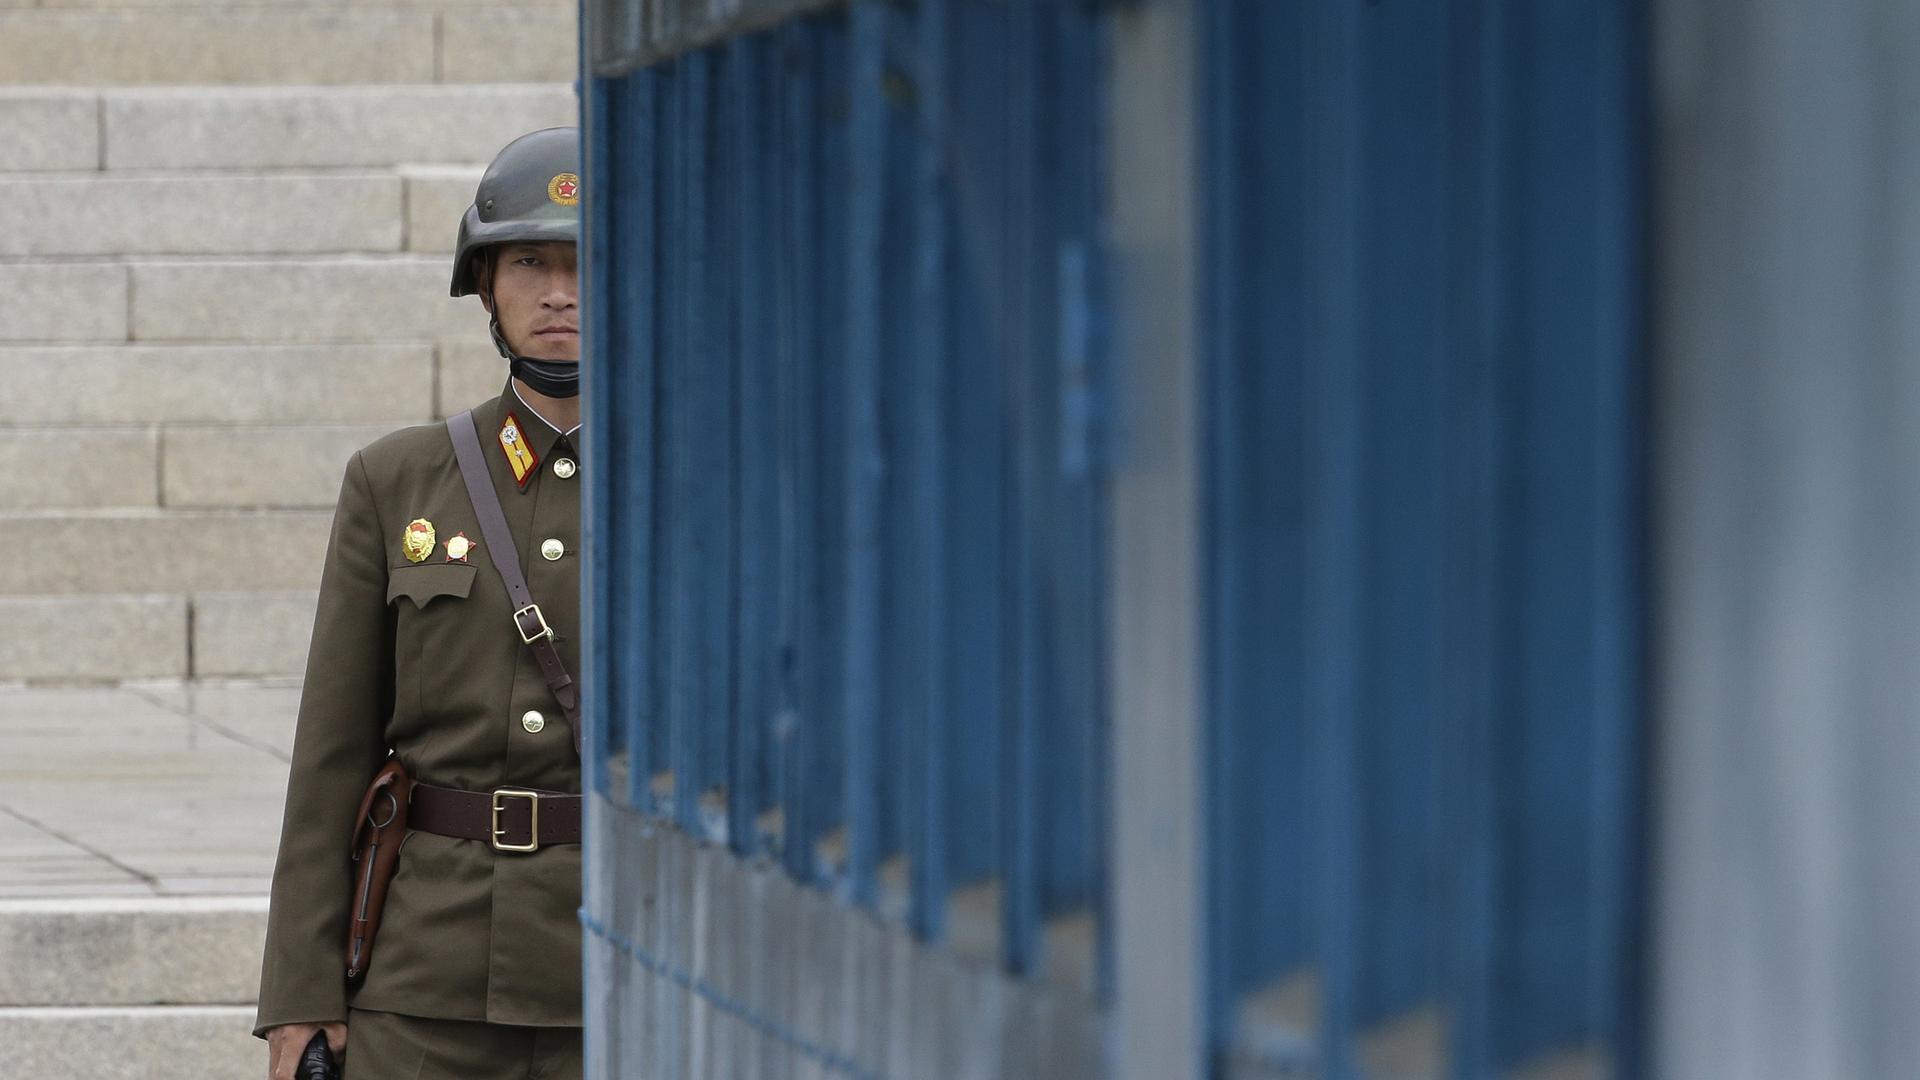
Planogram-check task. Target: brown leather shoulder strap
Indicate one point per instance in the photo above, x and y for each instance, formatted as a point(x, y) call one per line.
point(527, 617)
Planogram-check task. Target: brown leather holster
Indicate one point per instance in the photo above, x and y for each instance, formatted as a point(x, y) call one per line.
point(377, 833)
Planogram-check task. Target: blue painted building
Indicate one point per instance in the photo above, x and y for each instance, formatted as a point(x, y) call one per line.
point(1120, 540)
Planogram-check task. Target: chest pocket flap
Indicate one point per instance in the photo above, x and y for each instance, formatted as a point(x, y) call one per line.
point(428, 580)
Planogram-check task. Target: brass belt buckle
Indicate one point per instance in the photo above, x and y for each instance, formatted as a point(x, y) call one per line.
point(539, 620)
point(533, 819)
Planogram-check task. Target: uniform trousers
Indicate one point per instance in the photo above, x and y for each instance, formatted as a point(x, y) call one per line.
point(389, 1046)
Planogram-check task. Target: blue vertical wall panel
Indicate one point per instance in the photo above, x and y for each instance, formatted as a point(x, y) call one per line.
point(980, 436)
point(693, 384)
point(849, 566)
point(1069, 355)
point(1422, 227)
point(625, 498)
point(598, 646)
point(869, 574)
point(1024, 638)
point(756, 514)
point(807, 735)
point(864, 460)
point(1480, 415)
point(1256, 489)
point(827, 51)
point(903, 562)
point(1404, 127)
point(1578, 253)
point(928, 813)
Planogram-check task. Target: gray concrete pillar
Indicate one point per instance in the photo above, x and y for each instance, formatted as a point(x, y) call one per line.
point(1158, 1029)
point(1788, 486)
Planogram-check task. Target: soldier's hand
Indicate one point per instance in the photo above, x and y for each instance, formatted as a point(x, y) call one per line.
point(286, 1043)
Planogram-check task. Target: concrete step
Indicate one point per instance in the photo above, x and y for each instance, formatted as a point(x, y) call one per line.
point(346, 298)
point(189, 467)
point(50, 128)
point(63, 552)
point(221, 214)
point(252, 634)
point(190, 1042)
point(509, 45)
point(74, 386)
point(138, 986)
point(43, 301)
point(79, 467)
point(437, 198)
point(470, 372)
point(298, 127)
point(116, 637)
point(131, 951)
point(279, 467)
point(136, 46)
point(264, 45)
point(409, 208)
point(303, 5)
point(341, 298)
point(63, 638)
point(271, 127)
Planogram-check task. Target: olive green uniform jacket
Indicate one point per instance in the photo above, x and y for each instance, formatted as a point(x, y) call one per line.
point(422, 658)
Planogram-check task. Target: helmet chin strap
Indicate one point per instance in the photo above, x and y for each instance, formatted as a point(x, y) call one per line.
point(554, 378)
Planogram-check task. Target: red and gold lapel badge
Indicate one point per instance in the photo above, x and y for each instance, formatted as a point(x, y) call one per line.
point(519, 454)
point(458, 547)
point(417, 541)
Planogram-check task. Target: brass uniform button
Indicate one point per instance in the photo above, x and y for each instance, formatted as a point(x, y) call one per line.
point(551, 549)
point(564, 468)
point(533, 721)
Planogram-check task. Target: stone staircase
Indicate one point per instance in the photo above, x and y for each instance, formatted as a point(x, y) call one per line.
point(224, 240)
point(223, 263)
point(154, 988)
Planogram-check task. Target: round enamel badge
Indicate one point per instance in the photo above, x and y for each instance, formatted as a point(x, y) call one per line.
point(458, 548)
point(564, 189)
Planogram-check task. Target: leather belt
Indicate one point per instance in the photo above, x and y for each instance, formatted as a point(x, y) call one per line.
point(510, 819)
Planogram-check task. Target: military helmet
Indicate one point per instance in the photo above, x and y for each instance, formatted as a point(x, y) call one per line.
point(531, 192)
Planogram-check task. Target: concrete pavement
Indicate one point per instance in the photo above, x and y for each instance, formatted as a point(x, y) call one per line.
point(143, 789)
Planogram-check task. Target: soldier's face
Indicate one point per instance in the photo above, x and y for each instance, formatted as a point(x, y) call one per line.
point(537, 290)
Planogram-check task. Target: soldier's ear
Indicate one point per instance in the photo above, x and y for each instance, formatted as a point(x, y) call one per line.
point(483, 281)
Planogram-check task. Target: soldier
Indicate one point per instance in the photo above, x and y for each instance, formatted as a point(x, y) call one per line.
point(422, 651)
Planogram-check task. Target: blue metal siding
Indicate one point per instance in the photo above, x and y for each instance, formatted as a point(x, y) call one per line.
point(847, 595)
point(1423, 530)
point(931, 751)
point(864, 591)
